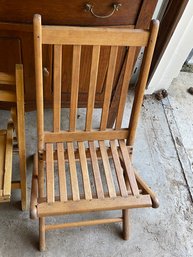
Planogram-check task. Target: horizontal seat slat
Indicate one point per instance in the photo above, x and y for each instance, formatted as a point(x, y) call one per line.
point(73, 172)
point(82, 196)
point(50, 173)
point(70, 136)
point(87, 151)
point(107, 169)
point(118, 169)
point(58, 208)
point(96, 171)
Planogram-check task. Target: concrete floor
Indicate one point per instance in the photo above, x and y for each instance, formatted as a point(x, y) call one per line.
point(163, 232)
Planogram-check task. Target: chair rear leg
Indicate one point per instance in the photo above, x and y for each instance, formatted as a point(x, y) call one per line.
point(24, 205)
point(42, 235)
point(126, 225)
point(125, 213)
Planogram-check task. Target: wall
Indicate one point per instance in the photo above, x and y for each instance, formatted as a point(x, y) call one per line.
point(175, 54)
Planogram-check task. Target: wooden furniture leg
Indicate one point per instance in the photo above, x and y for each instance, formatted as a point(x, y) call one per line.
point(42, 234)
point(126, 224)
point(21, 134)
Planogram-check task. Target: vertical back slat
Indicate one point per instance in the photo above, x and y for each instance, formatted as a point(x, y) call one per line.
point(73, 172)
point(50, 173)
point(85, 173)
point(108, 88)
point(125, 85)
point(61, 172)
point(92, 86)
point(39, 79)
point(57, 86)
point(75, 86)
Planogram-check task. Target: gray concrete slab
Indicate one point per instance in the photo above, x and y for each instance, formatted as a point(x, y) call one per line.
point(164, 232)
point(182, 104)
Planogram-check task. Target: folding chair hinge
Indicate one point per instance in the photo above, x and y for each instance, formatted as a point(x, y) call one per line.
point(130, 149)
point(40, 155)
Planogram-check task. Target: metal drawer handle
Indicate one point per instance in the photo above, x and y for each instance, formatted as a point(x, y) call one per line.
point(89, 8)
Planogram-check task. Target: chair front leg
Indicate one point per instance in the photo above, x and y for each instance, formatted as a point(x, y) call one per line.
point(126, 224)
point(42, 234)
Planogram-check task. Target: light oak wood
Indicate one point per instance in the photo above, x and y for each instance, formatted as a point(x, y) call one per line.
point(83, 223)
point(108, 88)
point(108, 153)
point(118, 169)
point(128, 168)
point(34, 188)
point(8, 160)
point(7, 96)
point(20, 132)
point(92, 86)
point(44, 209)
point(7, 79)
point(87, 152)
point(82, 196)
point(73, 172)
point(57, 86)
point(108, 134)
point(142, 81)
point(94, 36)
point(42, 235)
point(96, 171)
point(107, 169)
point(74, 86)
point(39, 78)
point(147, 190)
point(17, 123)
point(85, 173)
point(61, 172)
point(126, 224)
point(125, 85)
point(2, 159)
point(50, 173)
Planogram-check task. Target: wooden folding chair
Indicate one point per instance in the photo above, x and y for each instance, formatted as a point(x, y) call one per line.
point(10, 143)
point(107, 151)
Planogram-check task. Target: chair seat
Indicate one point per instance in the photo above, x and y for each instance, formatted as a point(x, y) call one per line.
point(88, 176)
point(6, 152)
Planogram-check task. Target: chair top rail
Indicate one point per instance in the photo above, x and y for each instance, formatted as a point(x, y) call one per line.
point(94, 36)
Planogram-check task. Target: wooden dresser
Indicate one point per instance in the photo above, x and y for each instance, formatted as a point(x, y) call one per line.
point(16, 39)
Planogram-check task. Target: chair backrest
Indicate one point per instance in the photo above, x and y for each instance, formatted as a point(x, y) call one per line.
point(95, 37)
point(12, 96)
point(15, 96)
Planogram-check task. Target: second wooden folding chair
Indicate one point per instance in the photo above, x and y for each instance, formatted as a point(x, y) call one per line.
point(13, 136)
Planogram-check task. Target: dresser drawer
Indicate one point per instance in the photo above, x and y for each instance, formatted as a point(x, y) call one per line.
point(72, 12)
